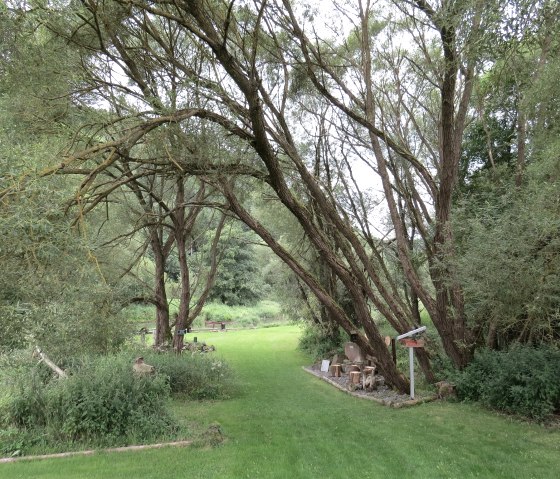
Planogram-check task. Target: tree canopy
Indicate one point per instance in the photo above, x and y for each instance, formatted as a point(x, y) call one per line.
point(399, 142)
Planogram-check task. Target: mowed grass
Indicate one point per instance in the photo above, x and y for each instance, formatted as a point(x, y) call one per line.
point(286, 423)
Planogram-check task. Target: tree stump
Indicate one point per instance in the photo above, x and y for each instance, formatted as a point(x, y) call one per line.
point(355, 377)
point(141, 368)
point(335, 370)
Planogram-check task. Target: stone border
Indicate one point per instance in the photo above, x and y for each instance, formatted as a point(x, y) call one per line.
point(91, 452)
point(384, 402)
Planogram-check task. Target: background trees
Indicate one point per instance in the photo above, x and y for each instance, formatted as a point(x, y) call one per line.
point(370, 135)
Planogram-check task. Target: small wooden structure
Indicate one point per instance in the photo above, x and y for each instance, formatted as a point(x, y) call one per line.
point(216, 325)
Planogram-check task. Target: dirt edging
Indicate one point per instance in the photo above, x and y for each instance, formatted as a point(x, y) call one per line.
point(91, 452)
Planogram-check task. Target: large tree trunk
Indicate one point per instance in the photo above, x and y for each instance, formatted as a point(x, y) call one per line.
point(185, 298)
point(373, 344)
point(183, 224)
point(163, 330)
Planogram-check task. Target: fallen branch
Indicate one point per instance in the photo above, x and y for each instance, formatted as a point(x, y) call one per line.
point(37, 353)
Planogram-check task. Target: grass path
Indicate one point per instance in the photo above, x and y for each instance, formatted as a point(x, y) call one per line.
point(287, 424)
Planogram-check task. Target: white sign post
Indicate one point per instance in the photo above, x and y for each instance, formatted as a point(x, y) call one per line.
point(411, 365)
point(409, 340)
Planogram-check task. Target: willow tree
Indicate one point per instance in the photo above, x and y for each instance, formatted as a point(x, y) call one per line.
point(399, 107)
point(120, 160)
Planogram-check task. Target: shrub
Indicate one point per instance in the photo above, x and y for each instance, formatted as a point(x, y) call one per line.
point(13, 441)
point(320, 342)
point(523, 380)
point(104, 399)
point(197, 376)
point(101, 402)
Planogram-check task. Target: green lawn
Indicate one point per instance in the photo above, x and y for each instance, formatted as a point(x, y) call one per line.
point(288, 424)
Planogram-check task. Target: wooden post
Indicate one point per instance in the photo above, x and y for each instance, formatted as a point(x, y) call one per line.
point(335, 370)
point(355, 377)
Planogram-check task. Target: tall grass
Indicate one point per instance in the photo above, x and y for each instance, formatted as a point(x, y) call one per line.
point(103, 403)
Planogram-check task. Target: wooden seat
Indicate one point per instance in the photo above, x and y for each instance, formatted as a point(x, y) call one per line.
point(335, 370)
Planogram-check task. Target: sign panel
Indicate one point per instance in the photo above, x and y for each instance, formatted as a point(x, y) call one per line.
point(413, 343)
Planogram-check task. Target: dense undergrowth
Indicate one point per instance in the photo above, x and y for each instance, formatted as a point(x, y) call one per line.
point(524, 380)
point(103, 403)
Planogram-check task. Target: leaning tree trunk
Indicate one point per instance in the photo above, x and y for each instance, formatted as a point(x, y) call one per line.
point(163, 330)
point(185, 299)
point(373, 344)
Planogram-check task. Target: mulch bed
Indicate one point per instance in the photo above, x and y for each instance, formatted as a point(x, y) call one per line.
point(383, 395)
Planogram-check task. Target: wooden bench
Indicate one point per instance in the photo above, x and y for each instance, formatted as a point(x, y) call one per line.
point(215, 325)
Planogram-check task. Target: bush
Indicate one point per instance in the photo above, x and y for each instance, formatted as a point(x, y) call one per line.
point(196, 376)
point(104, 399)
point(13, 441)
point(523, 380)
point(100, 402)
point(319, 342)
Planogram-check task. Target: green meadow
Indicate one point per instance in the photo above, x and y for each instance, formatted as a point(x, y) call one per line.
point(285, 423)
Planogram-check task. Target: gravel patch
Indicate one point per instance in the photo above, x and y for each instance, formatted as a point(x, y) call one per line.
point(383, 395)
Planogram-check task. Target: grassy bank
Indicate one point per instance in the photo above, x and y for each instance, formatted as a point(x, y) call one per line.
point(286, 423)
point(264, 313)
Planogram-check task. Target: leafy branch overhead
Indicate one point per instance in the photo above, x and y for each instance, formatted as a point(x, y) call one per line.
point(365, 143)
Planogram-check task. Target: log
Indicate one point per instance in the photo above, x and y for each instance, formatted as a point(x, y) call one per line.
point(335, 370)
point(355, 377)
point(44, 358)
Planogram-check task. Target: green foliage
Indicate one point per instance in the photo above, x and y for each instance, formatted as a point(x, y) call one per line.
point(102, 402)
point(243, 316)
point(320, 342)
point(509, 261)
point(195, 376)
point(238, 280)
point(523, 380)
point(52, 291)
point(141, 314)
